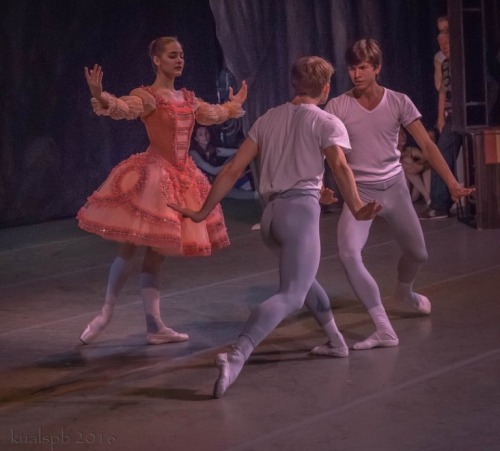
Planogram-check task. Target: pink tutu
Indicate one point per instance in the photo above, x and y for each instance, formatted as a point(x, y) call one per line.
point(131, 207)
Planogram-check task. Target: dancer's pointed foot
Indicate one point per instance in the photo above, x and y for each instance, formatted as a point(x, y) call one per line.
point(404, 293)
point(230, 365)
point(96, 326)
point(331, 351)
point(417, 302)
point(420, 303)
point(166, 335)
point(377, 340)
point(89, 335)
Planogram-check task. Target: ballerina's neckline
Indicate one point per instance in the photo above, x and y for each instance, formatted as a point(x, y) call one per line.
point(185, 94)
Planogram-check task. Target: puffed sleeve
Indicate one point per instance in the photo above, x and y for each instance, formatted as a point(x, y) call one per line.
point(138, 103)
point(208, 114)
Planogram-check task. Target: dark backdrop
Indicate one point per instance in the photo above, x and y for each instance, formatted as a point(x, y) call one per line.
point(55, 151)
point(261, 39)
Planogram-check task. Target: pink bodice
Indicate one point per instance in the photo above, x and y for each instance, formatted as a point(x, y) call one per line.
point(169, 124)
point(169, 127)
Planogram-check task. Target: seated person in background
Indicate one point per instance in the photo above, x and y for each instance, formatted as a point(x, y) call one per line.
point(210, 159)
point(416, 168)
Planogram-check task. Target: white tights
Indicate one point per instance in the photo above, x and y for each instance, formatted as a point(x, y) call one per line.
point(399, 213)
point(291, 225)
point(149, 282)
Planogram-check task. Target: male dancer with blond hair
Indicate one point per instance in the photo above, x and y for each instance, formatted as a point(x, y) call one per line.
point(292, 141)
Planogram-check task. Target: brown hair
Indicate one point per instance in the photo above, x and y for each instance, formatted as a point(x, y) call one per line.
point(157, 46)
point(310, 74)
point(367, 49)
point(442, 24)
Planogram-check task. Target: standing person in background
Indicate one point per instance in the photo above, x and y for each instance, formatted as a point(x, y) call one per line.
point(439, 57)
point(373, 116)
point(449, 141)
point(131, 206)
point(292, 141)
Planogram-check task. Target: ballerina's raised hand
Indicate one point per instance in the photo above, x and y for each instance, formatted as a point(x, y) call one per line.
point(241, 95)
point(94, 80)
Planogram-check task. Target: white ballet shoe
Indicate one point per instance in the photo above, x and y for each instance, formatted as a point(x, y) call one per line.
point(230, 365)
point(328, 350)
point(376, 341)
point(420, 304)
point(88, 335)
point(166, 335)
point(96, 326)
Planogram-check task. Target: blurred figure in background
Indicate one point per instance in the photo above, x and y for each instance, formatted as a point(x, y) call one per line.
point(210, 159)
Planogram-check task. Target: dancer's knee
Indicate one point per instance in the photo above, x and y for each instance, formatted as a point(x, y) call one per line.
point(152, 261)
point(350, 257)
point(294, 302)
point(419, 255)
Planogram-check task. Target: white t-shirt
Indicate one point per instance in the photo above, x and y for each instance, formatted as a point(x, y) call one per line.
point(439, 57)
point(374, 134)
point(290, 140)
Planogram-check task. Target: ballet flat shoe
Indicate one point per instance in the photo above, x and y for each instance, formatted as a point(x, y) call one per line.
point(166, 335)
point(330, 351)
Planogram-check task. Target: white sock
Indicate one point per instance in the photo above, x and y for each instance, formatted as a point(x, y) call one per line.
point(384, 335)
point(245, 345)
point(102, 319)
point(381, 321)
point(118, 275)
point(334, 336)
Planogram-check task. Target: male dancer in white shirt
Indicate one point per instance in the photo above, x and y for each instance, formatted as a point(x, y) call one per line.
point(373, 115)
point(292, 141)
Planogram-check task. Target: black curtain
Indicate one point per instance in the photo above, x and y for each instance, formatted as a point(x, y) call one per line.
point(261, 39)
